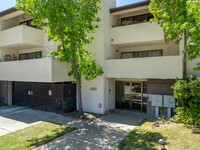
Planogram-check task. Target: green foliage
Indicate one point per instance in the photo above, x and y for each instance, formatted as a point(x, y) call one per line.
point(176, 17)
point(161, 118)
point(187, 95)
point(68, 23)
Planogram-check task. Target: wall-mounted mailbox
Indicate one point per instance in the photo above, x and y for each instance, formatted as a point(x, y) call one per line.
point(156, 100)
point(166, 101)
point(169, 101)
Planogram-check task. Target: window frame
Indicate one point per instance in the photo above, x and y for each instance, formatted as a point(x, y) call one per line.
point(26, 55)
point(148, 17)
point(136, 52)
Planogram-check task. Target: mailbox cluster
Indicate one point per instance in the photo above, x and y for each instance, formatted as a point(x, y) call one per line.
point(158, 101)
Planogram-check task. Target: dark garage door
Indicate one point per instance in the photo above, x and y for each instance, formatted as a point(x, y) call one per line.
point(44, 96)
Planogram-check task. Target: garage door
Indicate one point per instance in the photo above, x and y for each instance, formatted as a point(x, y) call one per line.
point(43, 96)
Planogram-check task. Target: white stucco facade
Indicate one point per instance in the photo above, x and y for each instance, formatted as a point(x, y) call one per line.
point(110, 41)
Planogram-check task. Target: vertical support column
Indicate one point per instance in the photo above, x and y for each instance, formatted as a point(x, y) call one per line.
point(10, 90)
point(131, 104)
point(156, 111)
point(169, 112)
point(141, 96)
point(62, 98)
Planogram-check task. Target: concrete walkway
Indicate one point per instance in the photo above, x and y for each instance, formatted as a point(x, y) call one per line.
point(103, 133)
point(13, 118)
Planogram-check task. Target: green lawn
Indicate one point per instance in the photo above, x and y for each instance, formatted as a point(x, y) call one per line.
point(177, 137)
point(33, 136)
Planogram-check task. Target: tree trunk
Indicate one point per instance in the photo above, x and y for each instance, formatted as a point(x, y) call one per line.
point(80, 107)
point(79, 96)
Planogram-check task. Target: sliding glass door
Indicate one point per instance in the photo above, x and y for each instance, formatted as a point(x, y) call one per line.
point(131, 95)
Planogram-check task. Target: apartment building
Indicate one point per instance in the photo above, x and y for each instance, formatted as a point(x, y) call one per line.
point(140, 66)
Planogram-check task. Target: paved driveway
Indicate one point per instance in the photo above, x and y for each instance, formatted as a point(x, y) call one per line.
point(13, 118)
point(103, 133)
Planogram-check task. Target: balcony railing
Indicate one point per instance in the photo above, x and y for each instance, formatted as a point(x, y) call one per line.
point(137, 34)
point(166, 67)
point(21, 37)
point(35, 70)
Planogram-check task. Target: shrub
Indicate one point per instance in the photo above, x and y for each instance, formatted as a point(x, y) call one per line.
point(187, 95)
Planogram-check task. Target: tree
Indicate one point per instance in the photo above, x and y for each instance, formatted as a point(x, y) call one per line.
point(70, 23)
point(177, 17)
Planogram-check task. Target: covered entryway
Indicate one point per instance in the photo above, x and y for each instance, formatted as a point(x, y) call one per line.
point(53, 97)
point(131, 95)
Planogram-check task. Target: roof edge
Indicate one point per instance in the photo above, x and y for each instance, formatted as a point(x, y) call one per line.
point(8, 11)
point(135, 5)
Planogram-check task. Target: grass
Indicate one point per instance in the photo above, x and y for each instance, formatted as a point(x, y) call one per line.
point(33, 136)
point(176, 137)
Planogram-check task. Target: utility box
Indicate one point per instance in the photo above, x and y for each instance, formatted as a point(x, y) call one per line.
point(169, 101)
point(69, 104)
point(156, 100)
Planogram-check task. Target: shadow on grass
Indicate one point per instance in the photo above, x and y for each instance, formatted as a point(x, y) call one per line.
point(195, 129)
point(36, 142)
point(141, 139)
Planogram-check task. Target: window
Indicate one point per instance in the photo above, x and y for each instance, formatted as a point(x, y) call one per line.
point(127, 21)
point(127, 55)
point(22, 57)
point(141, 54)
point(29, 23)
point(136, 19)
point(34, 55)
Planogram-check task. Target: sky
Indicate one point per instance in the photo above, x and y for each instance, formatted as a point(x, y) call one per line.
point(6, 4)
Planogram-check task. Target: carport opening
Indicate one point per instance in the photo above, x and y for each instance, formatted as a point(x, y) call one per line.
point(52, 97)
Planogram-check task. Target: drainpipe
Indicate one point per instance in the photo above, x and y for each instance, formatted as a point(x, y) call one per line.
point(185, 54)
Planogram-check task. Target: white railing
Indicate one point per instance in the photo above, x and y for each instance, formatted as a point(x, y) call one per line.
point(35, 70)
point(166, 67)
point(137, 34)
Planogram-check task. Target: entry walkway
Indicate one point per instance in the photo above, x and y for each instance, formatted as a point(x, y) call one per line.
point(13, 118)
point(102, 134)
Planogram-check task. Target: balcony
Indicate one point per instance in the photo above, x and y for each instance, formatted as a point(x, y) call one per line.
point(21, 37)
point(166, 67)
point(137, 34)
point(35, 70)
